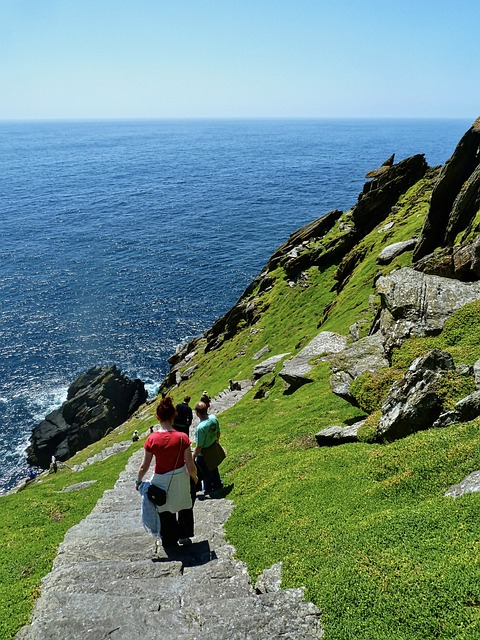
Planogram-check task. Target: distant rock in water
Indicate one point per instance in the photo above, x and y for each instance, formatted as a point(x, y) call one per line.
point(97, 402)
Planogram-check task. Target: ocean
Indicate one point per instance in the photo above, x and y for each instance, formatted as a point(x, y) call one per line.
point(122, 239)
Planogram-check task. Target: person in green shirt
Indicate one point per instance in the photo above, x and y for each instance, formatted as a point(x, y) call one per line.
point(207, 432)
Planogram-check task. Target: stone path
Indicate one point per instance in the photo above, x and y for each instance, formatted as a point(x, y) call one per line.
point(108, 582)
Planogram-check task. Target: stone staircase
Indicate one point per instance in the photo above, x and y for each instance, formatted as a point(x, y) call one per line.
point(108, 582)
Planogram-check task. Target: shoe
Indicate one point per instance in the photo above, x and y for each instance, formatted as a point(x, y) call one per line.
point(184, 541)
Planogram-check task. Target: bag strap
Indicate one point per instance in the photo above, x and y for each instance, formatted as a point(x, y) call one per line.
point(176, 461)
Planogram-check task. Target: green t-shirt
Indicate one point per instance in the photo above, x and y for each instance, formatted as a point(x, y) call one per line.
point(207, 431)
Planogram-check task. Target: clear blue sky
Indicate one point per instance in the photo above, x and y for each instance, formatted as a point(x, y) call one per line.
point(239, 58)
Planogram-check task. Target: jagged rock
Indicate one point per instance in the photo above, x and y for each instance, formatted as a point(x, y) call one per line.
point(413, 403)
point(415, 304)
point(393, 250)
point(366, 354)
point(313, 230)
point(461, 263)
point(97, 402)
point(382, 193)
point(466, 260)
point(295, 370)
point(338, 435)
point(470, 484)
point(465, 207)
point(455, 173)
point(347, 265)
point(245, 310)
point(188, 373)
point(465, 410)
point(267, 366)
point(374, 173)
point(183, 352)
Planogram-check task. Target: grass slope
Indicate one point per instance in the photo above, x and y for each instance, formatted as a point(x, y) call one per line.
point(364, 527)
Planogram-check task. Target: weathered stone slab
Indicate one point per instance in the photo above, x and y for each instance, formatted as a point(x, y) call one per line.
point(393, 250)
point(338, 435)
point(415, 304)
point(295, 370)
point(470, 484)
point(366, 354)
point(267, 366)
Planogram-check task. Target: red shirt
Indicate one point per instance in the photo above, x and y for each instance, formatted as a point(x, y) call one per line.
point(166, 446)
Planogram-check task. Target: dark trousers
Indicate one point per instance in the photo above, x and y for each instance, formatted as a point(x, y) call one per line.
point(211, 479)
point(175, 526)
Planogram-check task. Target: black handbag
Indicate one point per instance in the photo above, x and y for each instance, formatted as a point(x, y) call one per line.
point(158, 495)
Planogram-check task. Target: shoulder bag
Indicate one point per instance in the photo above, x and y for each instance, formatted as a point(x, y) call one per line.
point(213, 455)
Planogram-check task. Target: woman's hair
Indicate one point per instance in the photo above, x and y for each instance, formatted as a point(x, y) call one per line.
point(165, 410)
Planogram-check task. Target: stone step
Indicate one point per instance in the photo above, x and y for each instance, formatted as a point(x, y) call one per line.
point(213, 580)
point(256, 618)
point(134, 547)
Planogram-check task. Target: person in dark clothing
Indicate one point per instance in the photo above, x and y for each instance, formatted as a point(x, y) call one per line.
point(205, 399)
point(184, 416)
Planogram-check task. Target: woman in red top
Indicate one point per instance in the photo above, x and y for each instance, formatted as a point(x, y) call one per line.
point(174, 466)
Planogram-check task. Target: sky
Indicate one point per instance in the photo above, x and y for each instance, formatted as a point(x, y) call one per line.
point(97, 59)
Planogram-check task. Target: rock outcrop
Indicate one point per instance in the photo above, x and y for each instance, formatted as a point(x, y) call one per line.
point(366, 354)
point(455, 198)
point(97, 402)
point(460, 263)
point(416, 304)
point(413, 403)
point(295, 371)
point(379, 195)
point(465, 410)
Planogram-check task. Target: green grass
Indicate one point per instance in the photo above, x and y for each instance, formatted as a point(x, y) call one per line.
point(365, 528)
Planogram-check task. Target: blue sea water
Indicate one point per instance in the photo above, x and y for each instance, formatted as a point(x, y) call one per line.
point(121, 239)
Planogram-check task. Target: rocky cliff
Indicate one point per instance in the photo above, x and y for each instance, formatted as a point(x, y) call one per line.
point(97, 402)
point(419, 283)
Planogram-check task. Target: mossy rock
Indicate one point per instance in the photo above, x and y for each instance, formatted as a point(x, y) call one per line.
point(371, 387)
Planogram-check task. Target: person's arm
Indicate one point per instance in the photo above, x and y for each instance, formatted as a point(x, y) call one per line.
point(196, 452)
point(198, 448)
point(190, 464)
point(144, 466)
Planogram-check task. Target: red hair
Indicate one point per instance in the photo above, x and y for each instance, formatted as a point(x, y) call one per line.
point(166, 410)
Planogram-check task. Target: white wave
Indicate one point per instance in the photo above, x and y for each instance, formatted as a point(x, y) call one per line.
point(152, 388)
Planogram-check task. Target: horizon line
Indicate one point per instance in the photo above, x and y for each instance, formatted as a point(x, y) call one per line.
point(221, 118)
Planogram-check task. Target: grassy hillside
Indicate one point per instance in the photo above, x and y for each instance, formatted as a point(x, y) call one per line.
point(364, 527)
